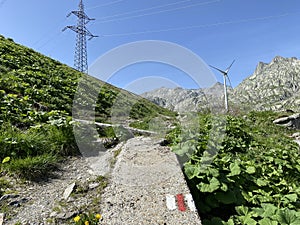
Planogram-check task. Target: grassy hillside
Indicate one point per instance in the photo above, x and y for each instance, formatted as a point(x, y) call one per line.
point(36, 97)
point(250, 176)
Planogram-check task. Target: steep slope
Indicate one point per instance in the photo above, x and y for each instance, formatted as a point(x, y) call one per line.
point(36, 99)
point(182, 100)
point(273, 86)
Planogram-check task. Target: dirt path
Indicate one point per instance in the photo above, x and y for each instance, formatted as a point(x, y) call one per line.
point(146, 186)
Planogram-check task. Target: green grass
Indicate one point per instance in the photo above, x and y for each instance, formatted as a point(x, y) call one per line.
point(33, 167)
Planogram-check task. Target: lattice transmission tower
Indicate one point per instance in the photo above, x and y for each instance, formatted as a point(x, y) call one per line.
point(80, 58)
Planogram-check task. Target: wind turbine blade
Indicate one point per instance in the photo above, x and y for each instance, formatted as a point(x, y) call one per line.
point(218, 69)
point(229, 81)
point(229, 66)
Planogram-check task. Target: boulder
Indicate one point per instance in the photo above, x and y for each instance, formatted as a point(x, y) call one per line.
point(292, 121)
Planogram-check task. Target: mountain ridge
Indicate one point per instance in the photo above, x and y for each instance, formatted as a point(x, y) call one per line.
point(272, 86)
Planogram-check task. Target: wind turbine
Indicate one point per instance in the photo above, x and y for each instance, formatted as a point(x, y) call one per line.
point(225, 74)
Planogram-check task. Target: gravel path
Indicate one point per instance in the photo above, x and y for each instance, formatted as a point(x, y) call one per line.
point(43, 203)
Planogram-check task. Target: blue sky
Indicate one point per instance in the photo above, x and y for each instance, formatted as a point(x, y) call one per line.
point(218, 31)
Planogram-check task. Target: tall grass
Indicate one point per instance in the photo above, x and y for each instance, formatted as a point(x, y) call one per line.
point(35, 152)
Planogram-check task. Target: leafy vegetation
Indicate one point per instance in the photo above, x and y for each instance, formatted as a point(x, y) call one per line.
point(36, 99)
point(247, 172)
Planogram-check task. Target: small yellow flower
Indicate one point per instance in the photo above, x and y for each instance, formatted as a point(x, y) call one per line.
point(86, 223)
point(76, 219)
point(98, 216)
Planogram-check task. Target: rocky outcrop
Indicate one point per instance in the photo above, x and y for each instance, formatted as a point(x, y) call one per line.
point(292, 121)
point(273, 86)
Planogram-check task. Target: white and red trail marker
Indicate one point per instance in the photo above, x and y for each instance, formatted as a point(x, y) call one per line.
point(180, 202)
point(171, 202)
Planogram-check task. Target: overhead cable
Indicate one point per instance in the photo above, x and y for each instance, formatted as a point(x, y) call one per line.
point(143, 10)
point(106, 4)
point(157, 12)
point(197, 26)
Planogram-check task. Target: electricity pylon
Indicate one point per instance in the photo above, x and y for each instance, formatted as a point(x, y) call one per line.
point(225, 75)
point(80, 58)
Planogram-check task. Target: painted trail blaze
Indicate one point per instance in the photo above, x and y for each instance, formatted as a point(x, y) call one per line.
point(180, 202)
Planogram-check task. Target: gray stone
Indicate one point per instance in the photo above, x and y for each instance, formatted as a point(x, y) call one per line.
point(18, 202)
point(60, 215)
point(70, 214)
point(68, 191)
point(2, 216)
point(292, 121)
point(296, 135)
point(53, 214)
point(8, 196)
point(66, 215)
point(93, 185)
point(282, 120)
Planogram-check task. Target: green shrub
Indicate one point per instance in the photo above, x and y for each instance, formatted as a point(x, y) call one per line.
point(255, 168)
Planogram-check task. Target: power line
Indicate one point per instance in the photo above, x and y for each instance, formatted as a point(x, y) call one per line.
point(51, 38)
point(143, 10)
point(197, 26)
point(46, 35)
point(162, 11)
point(107, 4)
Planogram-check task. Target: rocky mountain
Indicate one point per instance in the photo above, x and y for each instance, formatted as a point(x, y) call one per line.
point(273, 86)
point(181, 100)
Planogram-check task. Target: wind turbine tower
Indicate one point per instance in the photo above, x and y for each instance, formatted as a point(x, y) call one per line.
point(80, 58)
point(225, 77)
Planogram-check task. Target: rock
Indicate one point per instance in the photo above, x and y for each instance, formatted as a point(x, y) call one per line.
point(296, 120)
point(65, 216)
point(71, 214)
point(17, 203)
point(282, 120)
point(60, 216)
point(68, 191)
point(2, 216)
point(53, 215)
point(8, 196)
point(273, 86)
point(292, 121)
point(93, 185)
point(296, 135)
